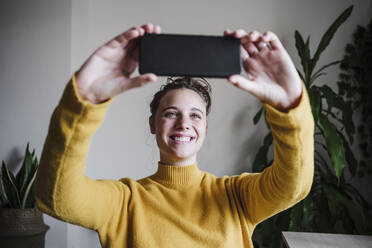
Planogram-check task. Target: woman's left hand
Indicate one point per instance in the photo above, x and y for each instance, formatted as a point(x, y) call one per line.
point(271, 74)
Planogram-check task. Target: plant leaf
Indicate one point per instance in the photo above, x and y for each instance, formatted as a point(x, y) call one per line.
point(308, 215)
point(257, 116)
point(328, 35)
point(266, 230)
point(351, 190)
point(324, 67)
point(261, 162)
point(315, 77)
point(319, 73)
point(296, 217)
point(301, 76)
point(334, 145)
point(349, 155)
point(355, 211)
point(21, 173)
point(28, 196)
point(9, 187)
point(315, 101)
point(336, 101)
point(28, 167)
point(303, 52)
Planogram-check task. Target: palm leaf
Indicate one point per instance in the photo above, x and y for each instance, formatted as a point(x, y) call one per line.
point(257, 116)
point(303, 53)
point(301, 76)
point(308, 215)
point(336, 101)
point(319, 73)
point(316, 102)
point(261, 160)
point(328, 35)
point(296, 217)
point(349, 155)
point(334, 145)
point(355, 211)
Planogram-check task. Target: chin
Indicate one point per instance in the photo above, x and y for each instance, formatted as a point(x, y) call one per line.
point(184, 155)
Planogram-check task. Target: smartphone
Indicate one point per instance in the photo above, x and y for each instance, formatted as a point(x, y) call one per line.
point(189, 55)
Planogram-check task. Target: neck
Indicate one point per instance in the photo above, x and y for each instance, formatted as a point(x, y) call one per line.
point(177, 161)
point(178, 176)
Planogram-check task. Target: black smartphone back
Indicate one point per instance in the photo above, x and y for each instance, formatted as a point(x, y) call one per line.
point(189, 55)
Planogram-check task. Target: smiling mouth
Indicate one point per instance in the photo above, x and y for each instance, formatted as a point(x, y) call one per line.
point(182, 139)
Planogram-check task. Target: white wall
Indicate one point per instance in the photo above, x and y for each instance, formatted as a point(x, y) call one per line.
point(45, 41)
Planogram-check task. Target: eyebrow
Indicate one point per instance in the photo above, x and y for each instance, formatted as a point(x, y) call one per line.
point(173, 107)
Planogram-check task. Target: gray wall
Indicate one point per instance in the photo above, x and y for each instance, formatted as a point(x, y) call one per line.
point(34, 66)
point(44, 42)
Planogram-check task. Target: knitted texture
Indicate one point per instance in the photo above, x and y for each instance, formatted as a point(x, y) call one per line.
point(177, 206)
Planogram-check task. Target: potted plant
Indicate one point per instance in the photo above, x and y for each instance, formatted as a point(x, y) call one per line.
point(21, 223)
point(333, 205)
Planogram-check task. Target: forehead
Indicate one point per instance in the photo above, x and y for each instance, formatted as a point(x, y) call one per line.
point(182, 98)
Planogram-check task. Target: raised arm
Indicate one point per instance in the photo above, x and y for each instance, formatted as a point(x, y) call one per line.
point(288, 180)
point(62, 189)
point(273, 79)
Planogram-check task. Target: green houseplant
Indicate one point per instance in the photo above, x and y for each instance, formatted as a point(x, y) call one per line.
point(21, 223)
point(355, 85)
point(333, 204)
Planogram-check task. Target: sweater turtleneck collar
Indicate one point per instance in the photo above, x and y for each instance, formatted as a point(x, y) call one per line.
point(178, 175)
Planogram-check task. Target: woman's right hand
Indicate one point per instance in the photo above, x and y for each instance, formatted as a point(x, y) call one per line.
point(107, 72)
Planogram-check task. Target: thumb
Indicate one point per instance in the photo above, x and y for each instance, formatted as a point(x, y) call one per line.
point(142, 80)
point(244, 84)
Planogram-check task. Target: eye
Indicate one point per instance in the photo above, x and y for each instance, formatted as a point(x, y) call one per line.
point(195, 116)
point(170, 114)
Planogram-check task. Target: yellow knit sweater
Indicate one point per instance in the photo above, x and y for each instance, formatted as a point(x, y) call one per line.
point(177, 206)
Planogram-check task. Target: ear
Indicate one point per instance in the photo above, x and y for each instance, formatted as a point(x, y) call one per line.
point(151, 123)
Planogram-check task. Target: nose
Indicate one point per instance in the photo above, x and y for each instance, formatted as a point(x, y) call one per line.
point(183, 123)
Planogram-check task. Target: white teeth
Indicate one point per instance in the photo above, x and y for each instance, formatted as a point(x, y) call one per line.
point(182, 138)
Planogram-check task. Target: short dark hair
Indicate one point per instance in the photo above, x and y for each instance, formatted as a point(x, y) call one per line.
point(199, 85)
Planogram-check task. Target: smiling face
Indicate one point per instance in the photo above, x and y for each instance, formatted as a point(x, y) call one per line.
point(180, 125)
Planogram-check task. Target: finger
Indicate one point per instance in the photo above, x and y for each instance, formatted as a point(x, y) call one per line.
point(243, 83)
point(150, 28)
point(157, 29)
point(272, 39)
point(134, 51)
point(133, 48)
point(251, 49)
point(251, 67)
point(141, 80)
point(227, 32)
point(263, 45)
point(251, 37)
point(249, 42)
point(129, 66)
point(243, 53)
point(122, 39)
point(240, 33)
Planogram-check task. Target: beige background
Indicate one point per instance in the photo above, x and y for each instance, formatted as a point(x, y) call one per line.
point(43, 42)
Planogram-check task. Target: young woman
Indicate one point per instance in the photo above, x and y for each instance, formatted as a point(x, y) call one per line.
point(180, 205)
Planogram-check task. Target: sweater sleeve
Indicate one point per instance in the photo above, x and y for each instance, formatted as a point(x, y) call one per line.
point(288, 180)
point(62, 190)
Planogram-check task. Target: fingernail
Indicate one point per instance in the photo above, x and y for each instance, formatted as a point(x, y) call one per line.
point(233, 80)
point(151, 77)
